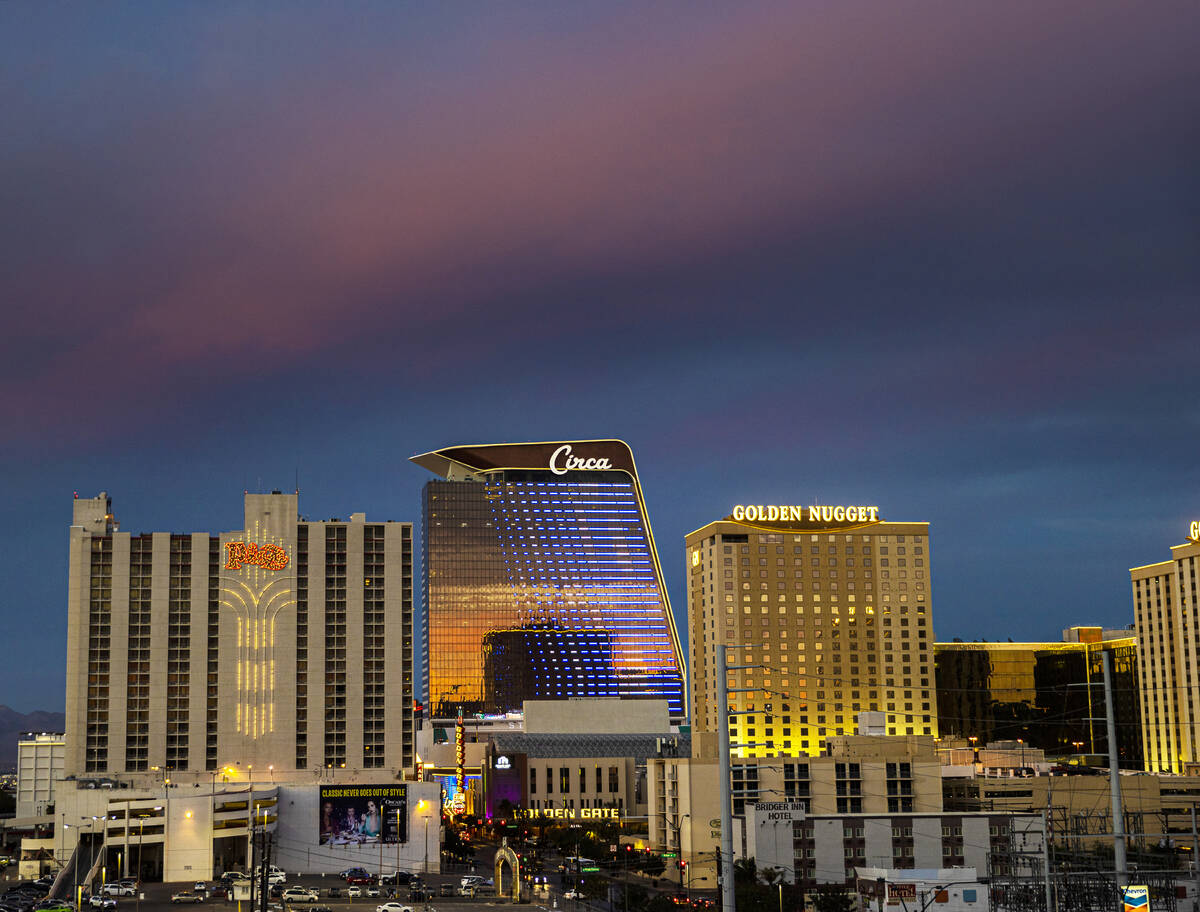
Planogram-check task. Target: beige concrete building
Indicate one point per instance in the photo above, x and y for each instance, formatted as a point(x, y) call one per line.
point(834, 606)
point(1167, 621)
point(268, 653)
point(40, 759)
point(1156, 806)
point(859, 775)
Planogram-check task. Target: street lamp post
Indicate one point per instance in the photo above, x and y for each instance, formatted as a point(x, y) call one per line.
point(394, 883)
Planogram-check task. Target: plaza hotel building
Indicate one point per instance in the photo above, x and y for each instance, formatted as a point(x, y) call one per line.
point(834, 608)
point(213, 679)
point(1166, 612)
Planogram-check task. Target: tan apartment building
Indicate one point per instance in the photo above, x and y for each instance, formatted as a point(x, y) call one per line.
point(1167, 622)
point(266, 653)
point(834, 606)
point(878, 775)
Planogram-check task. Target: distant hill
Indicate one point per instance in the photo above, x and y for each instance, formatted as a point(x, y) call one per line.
point(13, 724)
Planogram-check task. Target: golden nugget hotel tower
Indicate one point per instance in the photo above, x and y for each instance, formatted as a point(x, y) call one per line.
point(834, 606)
point(284, 647)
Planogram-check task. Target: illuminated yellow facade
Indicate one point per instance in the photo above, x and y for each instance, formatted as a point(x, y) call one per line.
point(835, 616)
point(283, 647)
point(1166, 610)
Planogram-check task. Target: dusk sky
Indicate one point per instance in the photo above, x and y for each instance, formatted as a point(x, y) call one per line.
point(940, 257)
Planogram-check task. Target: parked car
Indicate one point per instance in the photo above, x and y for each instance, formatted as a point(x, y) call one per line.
point(572, 894)
point(346, 874)
point(354, 892)
point(361, 877)
point(334, 893)
point(119, 889)
point(467, 890)
point(393, 907)
point(299, 894)
point(186, 896)
point(101, 901)
point(447, 889)
point(200, 886)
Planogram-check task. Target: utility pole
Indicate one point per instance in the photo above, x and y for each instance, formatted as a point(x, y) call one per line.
point(1114, 776)
point(725, 870)
point(1046, 860)
point(1195, 860)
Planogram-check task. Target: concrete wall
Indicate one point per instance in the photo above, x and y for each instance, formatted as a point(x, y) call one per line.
point(297, 846)
point(189, 839)
point(600, 715)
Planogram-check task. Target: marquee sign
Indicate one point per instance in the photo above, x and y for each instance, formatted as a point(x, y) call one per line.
point(563, 460)
point(800, 514)
point(573, 813)
point(252, 554)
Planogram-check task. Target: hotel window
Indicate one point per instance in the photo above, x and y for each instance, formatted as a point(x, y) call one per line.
point(614, 781)
point(549, 780)
point(533, 780)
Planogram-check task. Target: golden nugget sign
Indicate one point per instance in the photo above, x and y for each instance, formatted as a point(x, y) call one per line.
point(573, 814)
point(1194, 532)
point(793, 514)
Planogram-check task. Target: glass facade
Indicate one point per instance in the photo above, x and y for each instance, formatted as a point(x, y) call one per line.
point(541, 585)
point(1049, 695)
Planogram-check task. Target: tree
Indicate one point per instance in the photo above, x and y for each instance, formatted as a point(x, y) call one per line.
point(654, 865)
point(745, 871)
point(832, 899)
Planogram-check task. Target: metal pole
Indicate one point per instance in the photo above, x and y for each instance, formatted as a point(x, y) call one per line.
point(1195, 861)
point(728, 897)
point(1046, 861)
point(1114, 776)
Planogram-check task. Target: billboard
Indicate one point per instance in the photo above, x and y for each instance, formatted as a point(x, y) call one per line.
point(363, 814)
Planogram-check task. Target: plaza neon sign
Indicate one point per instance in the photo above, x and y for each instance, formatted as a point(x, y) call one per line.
point(251, 554)
point(814, 514)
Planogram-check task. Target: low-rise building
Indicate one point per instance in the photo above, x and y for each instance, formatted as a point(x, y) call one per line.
point(858, 774)
point(40, 757)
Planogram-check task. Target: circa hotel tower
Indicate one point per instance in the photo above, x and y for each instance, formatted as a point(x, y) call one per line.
point(542, 580)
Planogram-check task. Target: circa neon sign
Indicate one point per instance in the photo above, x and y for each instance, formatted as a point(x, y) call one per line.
point(269, 557)
point(561, 462)
point(823, 514)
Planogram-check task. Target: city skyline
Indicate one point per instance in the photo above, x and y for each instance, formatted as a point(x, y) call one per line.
point(939, 261)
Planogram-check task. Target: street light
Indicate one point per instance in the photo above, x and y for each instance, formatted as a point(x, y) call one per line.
point(423, 806)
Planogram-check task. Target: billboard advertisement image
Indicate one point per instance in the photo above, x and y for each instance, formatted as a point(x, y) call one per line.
point(363, 814)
